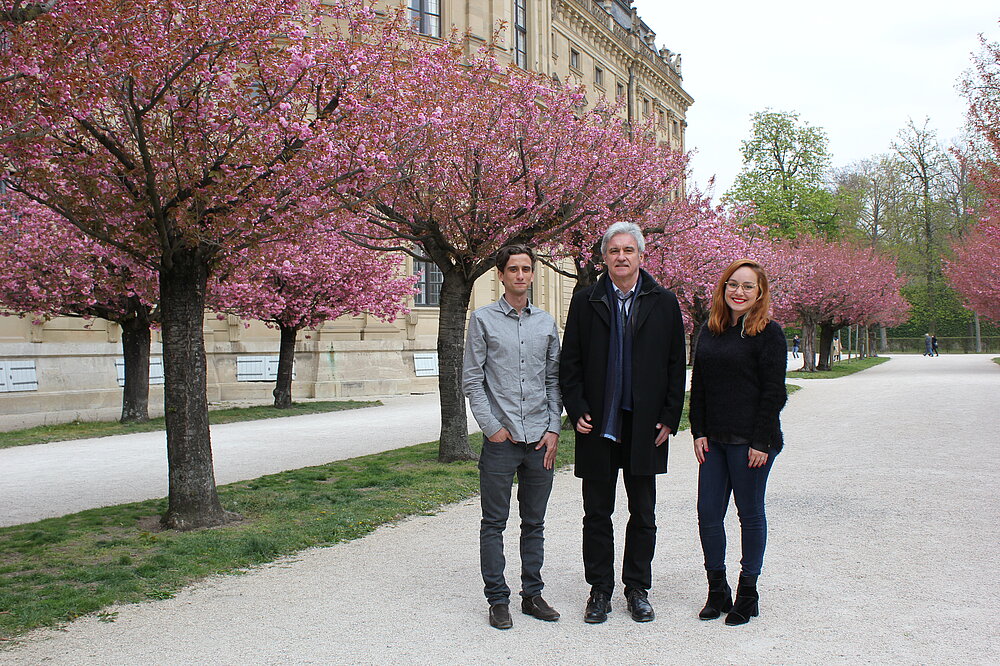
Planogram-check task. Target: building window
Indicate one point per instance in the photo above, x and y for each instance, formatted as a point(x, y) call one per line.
point(429, 287)
point(663, 120)
point(620, 91)
point(426, 17)
point(677, 128)
point(521, 34)
point(645, 106)
point(598, 77)
point(574, 59)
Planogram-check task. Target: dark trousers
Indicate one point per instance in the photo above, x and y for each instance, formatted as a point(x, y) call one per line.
point(498, 464)
point(598, 530)
point(725, 472)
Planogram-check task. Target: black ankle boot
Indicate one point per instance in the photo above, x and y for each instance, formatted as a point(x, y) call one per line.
point(720, 596)
point(746, 605)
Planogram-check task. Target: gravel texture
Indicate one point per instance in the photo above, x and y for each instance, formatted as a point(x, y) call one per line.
point(883, 539)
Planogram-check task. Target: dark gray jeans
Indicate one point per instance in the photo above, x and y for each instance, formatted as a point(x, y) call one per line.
point(498, 464)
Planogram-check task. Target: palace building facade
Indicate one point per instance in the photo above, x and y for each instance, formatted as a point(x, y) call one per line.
point(67, 368)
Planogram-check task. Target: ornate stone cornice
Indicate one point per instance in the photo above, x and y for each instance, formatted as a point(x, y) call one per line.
point(590, 20)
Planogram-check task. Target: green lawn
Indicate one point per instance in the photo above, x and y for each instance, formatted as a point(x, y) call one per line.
point(57, 569)
point(840, 368)
point(86, 429)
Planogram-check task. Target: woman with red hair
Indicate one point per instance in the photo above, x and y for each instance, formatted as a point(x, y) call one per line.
point(737, 392)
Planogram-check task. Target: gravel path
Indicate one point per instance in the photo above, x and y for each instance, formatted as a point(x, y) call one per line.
point(883, 521)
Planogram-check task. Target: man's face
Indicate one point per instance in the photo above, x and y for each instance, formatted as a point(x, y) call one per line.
point(517, 275)
point(623, 258)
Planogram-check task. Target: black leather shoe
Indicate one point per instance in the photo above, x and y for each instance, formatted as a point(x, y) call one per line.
point(639, 606)
point(537, 607)
point(598, 607)
point(500, 616)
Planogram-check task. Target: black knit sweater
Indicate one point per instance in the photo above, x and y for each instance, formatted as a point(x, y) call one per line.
point(738, 386)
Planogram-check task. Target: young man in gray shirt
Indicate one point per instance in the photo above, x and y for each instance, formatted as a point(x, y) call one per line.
point(511, 377)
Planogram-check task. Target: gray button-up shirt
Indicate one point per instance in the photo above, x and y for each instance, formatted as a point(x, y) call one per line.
point(511, 371)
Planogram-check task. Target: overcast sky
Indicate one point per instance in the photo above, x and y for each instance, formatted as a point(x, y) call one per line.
point(857, 68)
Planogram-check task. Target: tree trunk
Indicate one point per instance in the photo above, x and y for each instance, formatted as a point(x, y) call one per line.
point(883, 339)
point(135, 350)
point(979, 337)
point(286, 358)
point(193, 500)
point(826, 331)
point(586, 273)
point(808, 345)
point(456, 292)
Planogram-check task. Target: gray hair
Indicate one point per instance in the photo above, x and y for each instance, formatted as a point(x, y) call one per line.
point(624, 228)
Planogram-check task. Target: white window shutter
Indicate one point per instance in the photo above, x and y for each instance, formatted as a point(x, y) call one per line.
point(155, 370)
point(251, 368)
point(425, 365)
point(21, 376)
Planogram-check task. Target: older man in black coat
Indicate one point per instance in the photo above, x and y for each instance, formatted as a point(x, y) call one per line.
point(622, 381)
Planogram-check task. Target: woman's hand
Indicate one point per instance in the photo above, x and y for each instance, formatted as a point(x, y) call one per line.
point(700, 448)
point(756, 458)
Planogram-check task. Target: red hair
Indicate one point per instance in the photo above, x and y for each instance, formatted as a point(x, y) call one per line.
point(756, 318)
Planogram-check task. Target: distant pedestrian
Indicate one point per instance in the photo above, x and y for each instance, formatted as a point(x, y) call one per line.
point(795, 346)
point(737, 393)
point(836, 350)
point(511, 377)
point(934, 346)
point(928, 345)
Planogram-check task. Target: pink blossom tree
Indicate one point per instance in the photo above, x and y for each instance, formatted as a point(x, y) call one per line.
point(973, 269)
point(982, 88)
point(650, 192)
point(49, 269)
point(505, 157)
point(975, 262)
point(825, 285)
point(295, 285)
point(172, 131)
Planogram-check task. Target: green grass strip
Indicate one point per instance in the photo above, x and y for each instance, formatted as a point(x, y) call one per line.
point(88, 429)
point(840, 368)
point(57, 569)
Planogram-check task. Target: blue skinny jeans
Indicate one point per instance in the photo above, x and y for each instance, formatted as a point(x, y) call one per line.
point(725, 472)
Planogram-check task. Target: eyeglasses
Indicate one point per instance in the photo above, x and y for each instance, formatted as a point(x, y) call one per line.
point(733, 285)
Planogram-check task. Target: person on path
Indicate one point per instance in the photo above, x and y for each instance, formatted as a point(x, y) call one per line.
point(934, 346)
point(737, 393)
point(622, 379)
point(836, 349)
point(795, 346)
point(928, 345)
point(510, 375)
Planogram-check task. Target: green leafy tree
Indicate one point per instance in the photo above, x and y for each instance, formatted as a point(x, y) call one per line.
point(785, 163)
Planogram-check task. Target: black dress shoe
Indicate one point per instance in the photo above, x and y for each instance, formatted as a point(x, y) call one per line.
point(537, 607)
point(598, 607)
point(500, 616)
point(639, 606)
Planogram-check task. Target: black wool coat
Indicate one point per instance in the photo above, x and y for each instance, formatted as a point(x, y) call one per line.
point(658, 365)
